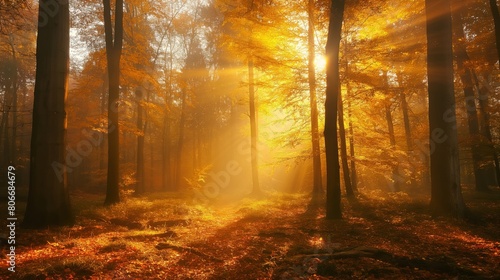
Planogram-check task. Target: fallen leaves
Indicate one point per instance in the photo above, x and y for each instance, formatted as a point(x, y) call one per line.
point(261, 242)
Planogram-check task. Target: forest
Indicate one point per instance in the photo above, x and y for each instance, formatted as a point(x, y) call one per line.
point(250, 139)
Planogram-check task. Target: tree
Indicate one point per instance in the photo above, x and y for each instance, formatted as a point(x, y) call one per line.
point(392, 137)
point(113, 54)
point(333, 206)
point(343, 149)
point(253, 127)
point(316, 152)
point(446, 192)
point(496, 20)
point(253, 109)
point(48, 198)
point(139, 188)
point(465, 73)
point(13, 12)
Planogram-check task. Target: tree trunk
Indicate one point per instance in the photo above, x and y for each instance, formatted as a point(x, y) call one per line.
point(167, 176)
point(316, 152)
point(470, 102)
point(496, 20)
point(102, 146)
point(333, 205)
point(48, 198)
point(180, 143)
point(139, 187)
point(3, 128)
point(396, 178)
point(5, 125)
point(485, 122)
point(113, 54)
point(446, 192)
point(408, 137)
point(13, 148)
point(253, 130)
point(343, 149)
point(354, 176)
point(166, 154)
point(166, 167)
point(7, 107)
point(24, 136)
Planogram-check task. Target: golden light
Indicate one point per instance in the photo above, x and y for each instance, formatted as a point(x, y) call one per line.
point(320, 62)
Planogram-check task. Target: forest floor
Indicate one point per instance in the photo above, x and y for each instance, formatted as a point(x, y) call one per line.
point(160, 236)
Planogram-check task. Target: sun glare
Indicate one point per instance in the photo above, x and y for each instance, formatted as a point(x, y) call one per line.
point(320, 62)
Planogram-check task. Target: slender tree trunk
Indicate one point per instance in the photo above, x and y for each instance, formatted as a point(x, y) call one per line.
point(6, 135)
point(113, 54)
point(396, 179)
point(406, 119)
point(3, 126)
point(139, 187)
point(343, 149)
point(166, 167)
point(102, 147)
point(333, 205)
point(152, 149)
point(7, 107)
point(485, 123)
point(48, 197)
point(166, 161)
point(13, 148)
point(496, 20)
point(446, 192)
point(253, 130)
point(316, 152)
point(354, 177)
point(470, 102)
point(167, 176)
point(180, 142)
point(22, 108)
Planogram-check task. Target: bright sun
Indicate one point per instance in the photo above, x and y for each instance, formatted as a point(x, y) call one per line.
point(320, 62)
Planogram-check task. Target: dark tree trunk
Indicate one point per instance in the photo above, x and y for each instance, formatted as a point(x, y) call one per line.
point(396, 179)
point(496, 20)
point(166, 155)
point(485, 123)
point(470, 103)
point(103, 145)
point(446, 192)
point(48, 198)
point(113, 54)
point(13, 148)
point(139, 187)
point(408, 137)
point(316, 152)
point(5, 125)
point(354, 176)
point(343, 149)
point(166, 163)
point(180, 142)
point(24, 136)
point(333, 205)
